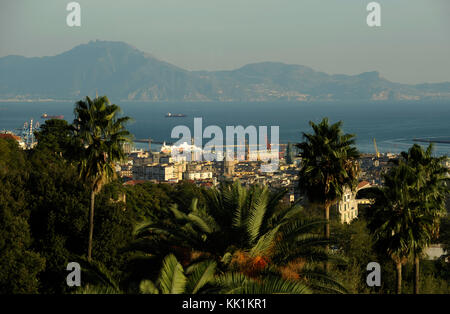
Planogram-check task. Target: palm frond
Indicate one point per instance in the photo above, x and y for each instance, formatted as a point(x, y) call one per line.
point(172, 279)
point(199, 275)
point(148, 287)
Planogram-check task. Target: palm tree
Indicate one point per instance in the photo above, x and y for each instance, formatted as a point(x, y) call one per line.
point(202, 278)
point(173, 279)
point(244, 230)
point(407, 212)
point(428, 200)
point(238, 283)
point(100, 134)
point(329, 165)
point(391, 217)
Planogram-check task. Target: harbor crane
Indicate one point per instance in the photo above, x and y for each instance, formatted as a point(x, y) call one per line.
point(376, 148)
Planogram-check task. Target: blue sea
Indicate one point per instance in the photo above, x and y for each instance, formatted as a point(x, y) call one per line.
point(393, 125)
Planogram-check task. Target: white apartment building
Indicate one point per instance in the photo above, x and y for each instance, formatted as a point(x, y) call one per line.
point(197, 175)
point(348, 205)
point(162, 172)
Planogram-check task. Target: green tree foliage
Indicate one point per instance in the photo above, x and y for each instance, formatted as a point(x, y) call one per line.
point(239, 283)
point(42, 196)
point(100, 134)
point(183, 194)
point(19, 264)
point(427, 201)
point(355, 242)
point(246, 230)
point(407, 211)
point(202, 277)
point(391, 218)
point(329, 165)
point(114, 229)
point(147, 200)
point(432, 279)
point(58, 204)
point(58, 210)
point(54, 136)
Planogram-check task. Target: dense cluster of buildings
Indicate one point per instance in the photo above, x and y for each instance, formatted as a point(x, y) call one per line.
point(373, 168)
point(165, 166)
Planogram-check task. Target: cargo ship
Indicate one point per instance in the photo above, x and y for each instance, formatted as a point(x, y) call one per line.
point(46, 116)
point(175, 115)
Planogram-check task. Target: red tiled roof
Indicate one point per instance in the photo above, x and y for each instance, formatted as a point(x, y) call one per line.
point(10, 136)
point(134, 182)
point(362, 184)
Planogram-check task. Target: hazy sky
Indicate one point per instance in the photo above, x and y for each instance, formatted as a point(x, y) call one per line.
point(411, 46)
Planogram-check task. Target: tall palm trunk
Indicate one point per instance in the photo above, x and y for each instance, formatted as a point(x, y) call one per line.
point(327, 232)
point(91, 225)
point(416, 273)
point(399, 278)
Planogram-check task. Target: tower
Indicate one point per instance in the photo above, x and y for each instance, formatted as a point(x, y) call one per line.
point(289, 154)
point(31, 132)
point(192, 149)
point(247, 150)
point(228, 166)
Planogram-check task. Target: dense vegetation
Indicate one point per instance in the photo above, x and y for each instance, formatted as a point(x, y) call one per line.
point(162, 238)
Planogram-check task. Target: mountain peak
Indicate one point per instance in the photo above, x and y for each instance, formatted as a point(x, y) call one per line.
point(123, 72)
point(101, 45)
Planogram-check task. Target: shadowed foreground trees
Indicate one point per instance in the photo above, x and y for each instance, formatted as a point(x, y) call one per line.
point(44, 213)
point(328, 166)
point(19, 263)
point(406, 215)
point(243, 230)
point(202, 278)
point(391, 218)
point(59, 206)
point(428, 195)
point(99, 133)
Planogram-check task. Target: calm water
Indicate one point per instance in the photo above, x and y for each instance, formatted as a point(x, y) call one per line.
point(393, 125)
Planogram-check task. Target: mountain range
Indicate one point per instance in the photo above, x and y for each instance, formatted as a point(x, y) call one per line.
point(124, 73)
